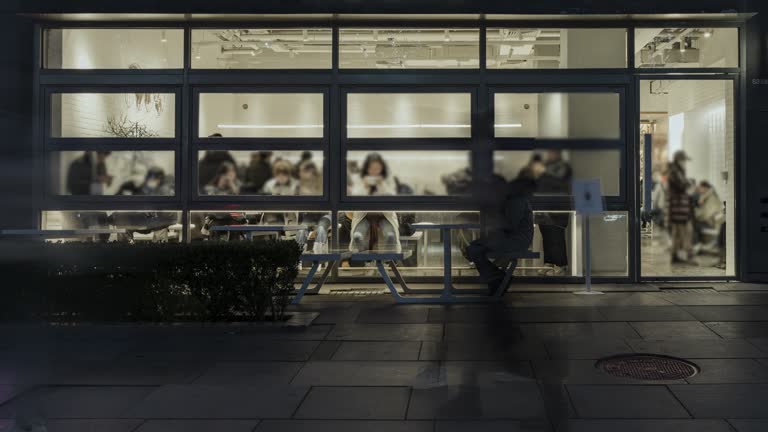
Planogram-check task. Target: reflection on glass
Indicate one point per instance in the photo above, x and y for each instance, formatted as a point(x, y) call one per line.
point(286, 48)
point(114, 48)
point(562, 167)
point(261, 115)
point(131, 226)
point(408, 172)
point(688, 217)
point(556, 48)
point(374, 230)
point(409, 48)
point(223, 172)
point(314, 235)
point(82, 173)
point(687, 47)
point(557, 115)
point(409, 115)
point(559, 237)
point(113, 115)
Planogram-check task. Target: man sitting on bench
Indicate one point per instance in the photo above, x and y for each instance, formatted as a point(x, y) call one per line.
point(509, 222)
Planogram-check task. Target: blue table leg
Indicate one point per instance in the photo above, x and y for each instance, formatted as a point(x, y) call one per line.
point(306, 282)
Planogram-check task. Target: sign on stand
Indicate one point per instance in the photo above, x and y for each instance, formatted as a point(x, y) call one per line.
point(588, 201)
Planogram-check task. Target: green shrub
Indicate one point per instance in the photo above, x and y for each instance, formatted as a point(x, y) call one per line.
point(149, 282)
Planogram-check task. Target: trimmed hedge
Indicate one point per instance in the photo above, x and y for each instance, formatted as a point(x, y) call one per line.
point(206, 281)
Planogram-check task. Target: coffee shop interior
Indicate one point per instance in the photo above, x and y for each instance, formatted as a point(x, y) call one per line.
point(359, 132)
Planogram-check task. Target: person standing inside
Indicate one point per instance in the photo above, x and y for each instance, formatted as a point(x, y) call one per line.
point(556, 180)
point(680, 209)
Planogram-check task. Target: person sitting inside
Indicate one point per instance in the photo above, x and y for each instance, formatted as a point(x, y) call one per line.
point(155, 184)
point(224, 182)
point(708, 214)
point(282, 181)
point(509, 221)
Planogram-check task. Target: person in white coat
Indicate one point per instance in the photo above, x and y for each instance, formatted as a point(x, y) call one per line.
point(374, 180)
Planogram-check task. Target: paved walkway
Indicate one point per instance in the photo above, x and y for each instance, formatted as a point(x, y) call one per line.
point(367, 365)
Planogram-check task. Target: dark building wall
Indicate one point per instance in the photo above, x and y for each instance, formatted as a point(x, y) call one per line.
point(17, 170)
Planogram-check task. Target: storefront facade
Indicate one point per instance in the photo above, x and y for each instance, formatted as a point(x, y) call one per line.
point(167, 124)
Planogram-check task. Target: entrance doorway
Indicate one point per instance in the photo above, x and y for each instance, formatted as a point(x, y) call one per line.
point(687, 178)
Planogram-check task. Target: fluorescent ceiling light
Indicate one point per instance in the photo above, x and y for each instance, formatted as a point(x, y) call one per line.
point(409, 126)
point(304, 126)
point(509, 125)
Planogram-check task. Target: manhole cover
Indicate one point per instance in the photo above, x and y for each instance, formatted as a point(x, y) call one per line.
point(647, 367)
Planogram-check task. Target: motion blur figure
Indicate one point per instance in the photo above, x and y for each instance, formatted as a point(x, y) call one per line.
point(509, 221)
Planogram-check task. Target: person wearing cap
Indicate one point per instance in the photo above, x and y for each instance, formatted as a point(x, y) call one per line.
point(680, 209)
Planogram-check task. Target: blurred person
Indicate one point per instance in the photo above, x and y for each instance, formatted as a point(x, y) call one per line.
point(310, 179)
point(209, 165)
point(154, 184)
point(87, 176)
point(680, 209)
point(259, 170)
point(374, 180)
point(708, 213)
point(225, 181)
point(556, 180)
point(306, 156)
point(509, 221)
point(282, 181)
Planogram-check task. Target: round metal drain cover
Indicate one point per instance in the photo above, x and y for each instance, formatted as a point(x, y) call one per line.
point(647, 367)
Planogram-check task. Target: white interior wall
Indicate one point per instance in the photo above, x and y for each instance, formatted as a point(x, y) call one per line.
point(121, 48)
point(85, 115)
point(594, 48)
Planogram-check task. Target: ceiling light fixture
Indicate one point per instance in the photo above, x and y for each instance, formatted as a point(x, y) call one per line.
point(305, 35)
point(509, 125)
point(447, 36)
point(708, 34)
point(163, 37)
point(245, 126)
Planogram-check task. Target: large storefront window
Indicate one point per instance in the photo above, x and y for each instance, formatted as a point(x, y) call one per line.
point(143, 114)
point(604, 165)
point(408, 172)
point(121, 173)
point(409, 48)
point(264, 172)
point(703, 47)
point(557, 115)
point(113, 48)
point(409, 115)
point(274, 48)
point(261, 115)
point(392, 126)
point(556, 48)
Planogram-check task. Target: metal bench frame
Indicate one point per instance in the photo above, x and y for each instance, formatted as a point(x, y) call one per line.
point(449, 295)
point(332, 258)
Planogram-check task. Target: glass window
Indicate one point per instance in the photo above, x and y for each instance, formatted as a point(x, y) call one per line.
point(409, 172)
point(559, 238)
point(222, 172)
point(557, 115)
point(409, 48)
point(563, 166)
point(286, 48)
point(113, 115)
point(145, 173)
point(146, 225)
point(261, 115)
point(409, 115)
point(361, 230)
point(316, 236)
point(687, 47)
point(556, 48)
point(114, 48)
point(687, 148)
